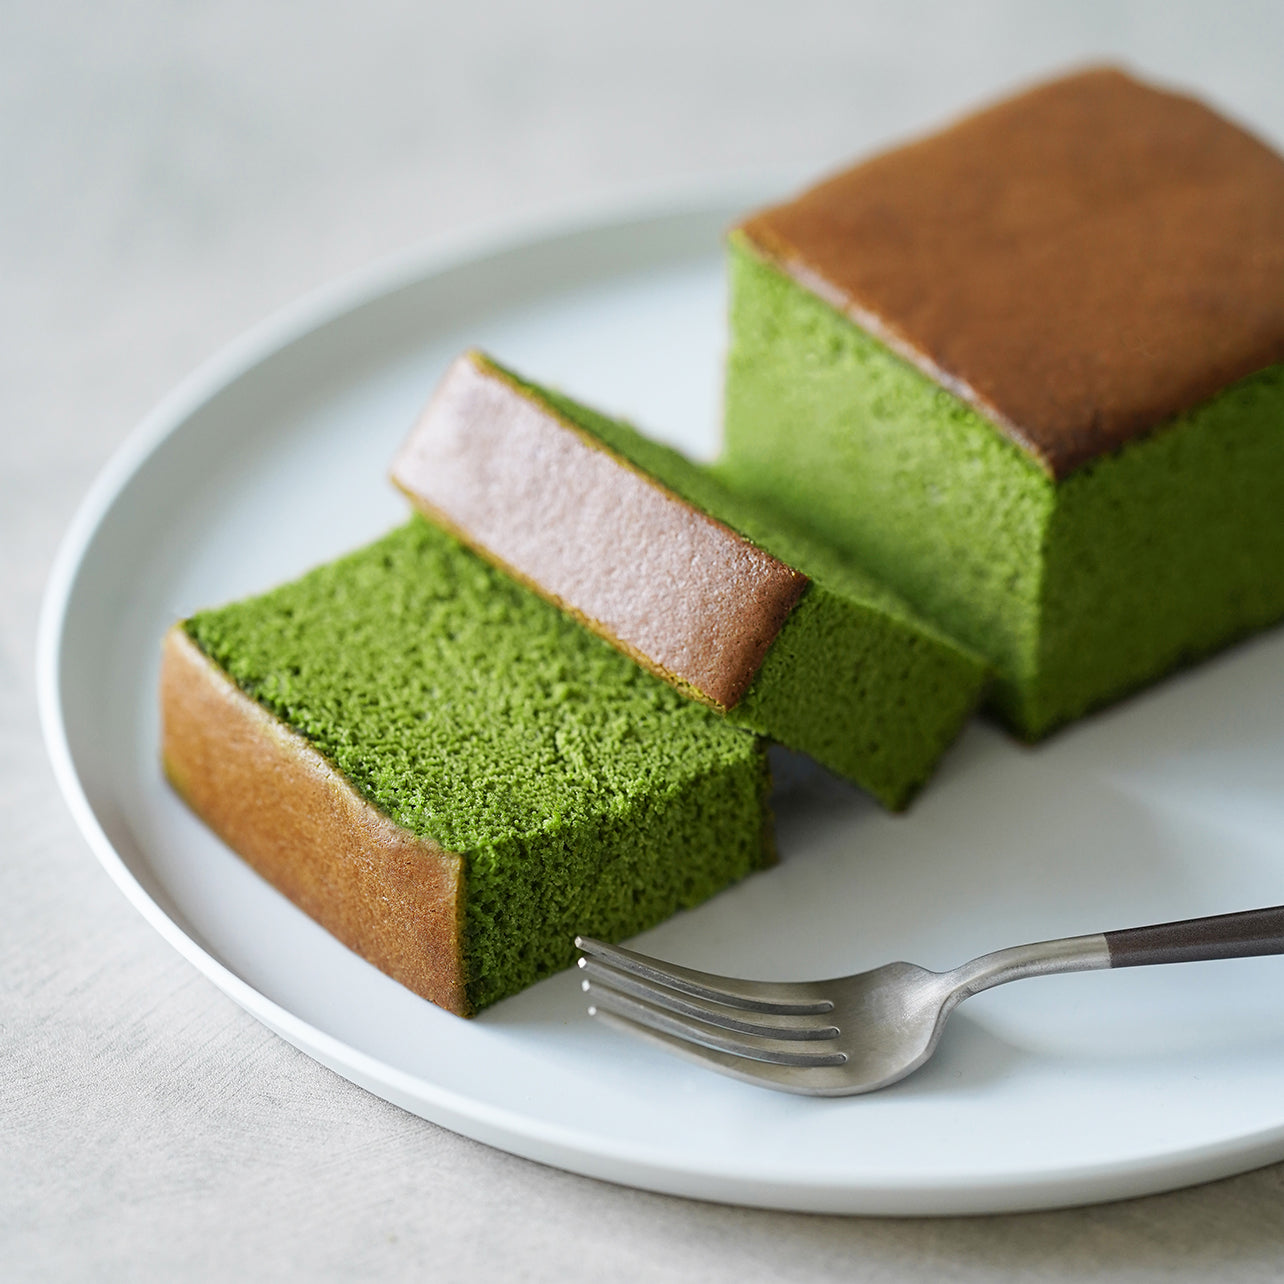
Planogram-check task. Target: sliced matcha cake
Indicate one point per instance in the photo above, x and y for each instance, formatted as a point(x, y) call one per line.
point(702, 587)
point(1029, 372)
point(447, 773)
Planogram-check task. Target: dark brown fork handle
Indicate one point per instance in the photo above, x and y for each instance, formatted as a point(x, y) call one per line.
point(1223, 936)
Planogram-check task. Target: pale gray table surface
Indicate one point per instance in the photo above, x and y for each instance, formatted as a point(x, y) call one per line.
point(170, 174)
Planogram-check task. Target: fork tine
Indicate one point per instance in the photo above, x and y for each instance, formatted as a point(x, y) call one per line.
point(783, 998)
point(823, 1082)
point(769, 1025)
point(780, 1052)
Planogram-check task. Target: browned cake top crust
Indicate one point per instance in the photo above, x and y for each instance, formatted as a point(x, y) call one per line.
point(393, 898)
point(1079, 263)
point(684, 595)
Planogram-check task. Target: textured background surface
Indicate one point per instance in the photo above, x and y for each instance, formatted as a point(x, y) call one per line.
point(169, 175)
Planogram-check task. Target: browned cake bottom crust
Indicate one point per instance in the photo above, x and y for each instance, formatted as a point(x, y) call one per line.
point(395, 899)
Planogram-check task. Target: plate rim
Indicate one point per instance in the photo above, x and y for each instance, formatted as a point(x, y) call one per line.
point(577, 1151)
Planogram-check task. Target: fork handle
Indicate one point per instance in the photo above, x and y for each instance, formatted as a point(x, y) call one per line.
point(1220, 936)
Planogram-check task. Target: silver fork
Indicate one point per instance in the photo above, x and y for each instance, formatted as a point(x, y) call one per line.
point(857, 1033)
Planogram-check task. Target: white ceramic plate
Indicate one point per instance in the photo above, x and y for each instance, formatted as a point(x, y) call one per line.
point(1053, 1091)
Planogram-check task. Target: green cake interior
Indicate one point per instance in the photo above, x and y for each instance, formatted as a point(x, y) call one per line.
point(855, 677)
point(1076, 591)
point(583, 794)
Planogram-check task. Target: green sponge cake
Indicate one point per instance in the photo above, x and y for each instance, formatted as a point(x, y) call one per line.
point(1029, 372)
point(450, 775)
point(699, 585)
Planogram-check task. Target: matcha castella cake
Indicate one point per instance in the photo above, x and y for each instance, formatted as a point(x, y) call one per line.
point(447, 773)
point(1029, 372)
point(701, 587)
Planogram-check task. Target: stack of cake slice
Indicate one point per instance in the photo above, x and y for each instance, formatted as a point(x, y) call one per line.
point(455, 777)
point(1027, 374)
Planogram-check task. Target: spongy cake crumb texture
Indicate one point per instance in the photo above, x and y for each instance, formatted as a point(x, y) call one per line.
point(583, 794)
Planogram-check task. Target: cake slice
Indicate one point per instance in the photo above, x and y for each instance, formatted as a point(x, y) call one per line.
point(1029, 371)
point(708, 591)
point(447, 773)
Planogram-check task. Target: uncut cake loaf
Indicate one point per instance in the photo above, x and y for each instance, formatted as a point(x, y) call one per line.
point(705, 589)
point(447, 773)
point(1028, 371)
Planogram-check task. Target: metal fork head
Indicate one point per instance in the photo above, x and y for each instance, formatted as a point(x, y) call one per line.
point(818, 1038)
